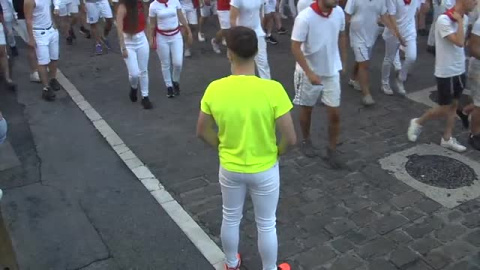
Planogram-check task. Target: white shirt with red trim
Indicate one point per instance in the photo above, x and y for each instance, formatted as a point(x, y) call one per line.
point(364, 21)
point(249, 14)
point(405, 17)
point(166, 14)
point(449, 58)
point(319, 38)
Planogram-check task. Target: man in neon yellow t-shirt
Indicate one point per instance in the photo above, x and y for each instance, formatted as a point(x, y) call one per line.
point(247, 110)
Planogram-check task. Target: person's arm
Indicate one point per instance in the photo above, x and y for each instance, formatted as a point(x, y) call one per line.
point(152, 26)
point(56, 7)
point(206, 131)
point(343, 45)
point(302, 62)
point(391, 23)
point(288, 137)
point(234, 12)
point(458, 37)
point(474, 45)
point(184, 23)
point(28, 7)
point(121, 13)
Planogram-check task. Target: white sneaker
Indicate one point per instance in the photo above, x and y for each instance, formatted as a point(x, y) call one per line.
point(34, 77)
point(355, 85)
point(201, 37)
point(453, 144)
point(368, 100)
point(188, 53)
point(414, 130)
point(215, 46)
point(1, 194)
point(400, 87)
point(224, 42)
point(387, 89)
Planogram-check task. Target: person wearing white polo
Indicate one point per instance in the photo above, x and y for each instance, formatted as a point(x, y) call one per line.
point(249, 13)
point(317, 34)
point(402, 14)
point(43, 36)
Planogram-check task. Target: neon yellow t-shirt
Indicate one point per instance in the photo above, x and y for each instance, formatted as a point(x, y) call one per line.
point(245, 109)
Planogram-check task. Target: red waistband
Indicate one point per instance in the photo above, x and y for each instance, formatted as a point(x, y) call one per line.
point(168, 33)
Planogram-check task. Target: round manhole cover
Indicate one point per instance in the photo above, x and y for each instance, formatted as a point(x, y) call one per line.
point(440, 171)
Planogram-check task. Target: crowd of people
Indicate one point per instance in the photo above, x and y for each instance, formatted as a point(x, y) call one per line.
point(322, 32)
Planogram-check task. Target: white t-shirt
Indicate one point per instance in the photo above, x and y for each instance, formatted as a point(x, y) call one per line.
point(303, 4)
point(405, 17)
point(166, 15)
point(319, 37)
point(364, 21)
point(449, 58)
point(474, 62)
point(187, 5)
point(249, 14)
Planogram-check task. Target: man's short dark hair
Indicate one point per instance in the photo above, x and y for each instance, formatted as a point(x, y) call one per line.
point(243, 42)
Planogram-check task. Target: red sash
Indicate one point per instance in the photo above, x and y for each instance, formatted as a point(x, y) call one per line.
point(169, 33)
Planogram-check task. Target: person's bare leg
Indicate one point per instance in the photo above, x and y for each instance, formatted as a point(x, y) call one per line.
point(32, 59)
point(4, 63)
point(43, 72)
point(468, 109)
point(354, 75)
point(475, 122)
point(278, 20)
point(363, 77)
point(52, 70)
point(451, 116)
point(333, 127)
point(269, 20)
point(108, 27)
point(305, 121)
point(434, 113)
point(220, 35)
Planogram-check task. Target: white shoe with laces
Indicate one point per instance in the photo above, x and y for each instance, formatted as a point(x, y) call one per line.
point(453, 144)
point(215, 46)
point(387, 89)
point(400, 87)
point(355, 85)
point(1, 194)
point(201, 37)
point(414, 130)
point(188, 53)
point(34, 77)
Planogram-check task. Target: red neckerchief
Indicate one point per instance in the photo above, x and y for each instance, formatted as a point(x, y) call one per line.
point(317, 10)
point(163, 2)
point(407, 2)
point(449, 13)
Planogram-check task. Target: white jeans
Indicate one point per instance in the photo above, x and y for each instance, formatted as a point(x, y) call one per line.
point(137, 60)
point(264, 188)
point(291, 6)
point(392, 46)
point(170, 52)
point(261, 60)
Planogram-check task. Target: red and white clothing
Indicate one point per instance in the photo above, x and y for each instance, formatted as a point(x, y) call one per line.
point(364, 25)
point(223, 11)
point(404, 12)
point(189, 9)
point(474, 70)
point(169, 39)
point(208, 10)
point(138, 53)
point(45, 34)
point(319, 34)
point(249, 16)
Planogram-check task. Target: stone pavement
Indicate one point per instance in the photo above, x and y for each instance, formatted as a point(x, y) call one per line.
point(360, 218)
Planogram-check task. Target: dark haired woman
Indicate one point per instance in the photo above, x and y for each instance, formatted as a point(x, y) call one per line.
point(134, 45)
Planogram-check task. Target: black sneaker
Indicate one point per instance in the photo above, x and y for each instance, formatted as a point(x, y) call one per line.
point(474, 141)
point(11, 85)
point(333, 159)
point(48, 94)
point(84, 31)
point(14, 51)
point(55, 85)
point(282, 31)
point(170, 92)
point(464, 118)
point(176, 89)
point(133, 94)
point(69, 40)
point(270, 39)
point(71, 33)
point(147, 105)
point(308, 149)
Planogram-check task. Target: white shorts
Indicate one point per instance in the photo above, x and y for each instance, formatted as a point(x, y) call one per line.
point(191, 16)
point(224, 19)
point(68, 9)
point(206, 11)
point(97, 10)
point(47, 45)
point(307, 94)
point(21, 30)
point(3, 40)
point(270, 6)
point(473, 84)
point(362, 53)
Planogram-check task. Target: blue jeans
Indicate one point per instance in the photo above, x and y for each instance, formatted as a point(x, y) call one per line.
point(3, 130)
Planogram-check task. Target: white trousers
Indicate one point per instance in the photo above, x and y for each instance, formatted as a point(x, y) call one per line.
point(137, 61)
point(261, 60)
point(291, 6)
point(392, 46)
point(10, 34)
point(170, 52)
point(264, 188)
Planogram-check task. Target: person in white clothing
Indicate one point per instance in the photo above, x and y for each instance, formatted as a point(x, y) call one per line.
point(165, 16)
point(189, 10)
point(439, 7)
point(43, 36)
point(134, 45)
point(249, 13)
point(4, 57)
point(208, 8)
point(402, 14)
point(363, 18)
point(473, 83)
point(68, 13)
point(291, 7)
point(8, 21)
point(97, 9)
point(317, 34)
point(450, 33)
point(223, 12)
